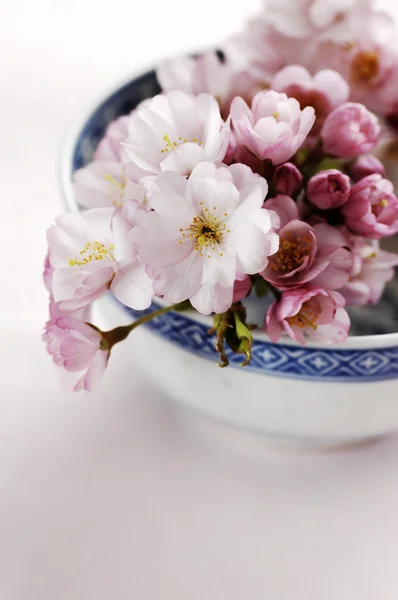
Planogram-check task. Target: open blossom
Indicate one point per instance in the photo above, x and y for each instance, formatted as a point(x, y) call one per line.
point(203, 232)
point(325, 91)
point(316, 255)
point(285, 207)
point(274, 128)
point(324, 20)
point(372, 269)
point(48, 272)
point(372, 208)
point(328, 19)
point(175, 132)
point(328, 189)
point(94, 252)
point(369, 59)
point(105, 183)
point(79, 350)
point(110, 148)
point(207, 74)
point(350, 130)
point(308, 312)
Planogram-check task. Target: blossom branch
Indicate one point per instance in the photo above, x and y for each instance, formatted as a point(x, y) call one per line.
point(121, 333)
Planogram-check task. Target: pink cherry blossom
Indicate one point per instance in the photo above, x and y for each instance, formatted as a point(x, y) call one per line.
point(367, 59)
point(175, 132)
point(79, 351)
point(330, 20)
point(324, 92)
point(110, 148)
point(372, 208)
point(203, 232)
point(285, 207)
point(274, 128)
point(373, 268)
point(94, 252)
point(350, 130)
point(308, 312)
point(48, 272)
point(105, 183)
point(222, 79)
point(317, 254)
point(328, 189)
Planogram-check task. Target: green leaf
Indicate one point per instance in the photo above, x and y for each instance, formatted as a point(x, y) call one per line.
point(231, 329)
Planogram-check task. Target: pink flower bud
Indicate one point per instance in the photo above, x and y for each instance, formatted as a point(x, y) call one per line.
point(372, 208)
point(367, 165)
point(288, 179)
point(350, 130)
point(328, 189)
point(242, 287)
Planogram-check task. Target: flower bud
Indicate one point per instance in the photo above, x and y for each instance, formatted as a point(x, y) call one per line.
point(367, 165)
point(288, 179)
point(328, 189)
point(350, 130)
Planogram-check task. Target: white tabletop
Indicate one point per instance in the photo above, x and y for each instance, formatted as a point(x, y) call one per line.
point(123, 495)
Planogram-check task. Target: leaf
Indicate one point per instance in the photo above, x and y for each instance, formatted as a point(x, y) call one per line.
point(231, 329)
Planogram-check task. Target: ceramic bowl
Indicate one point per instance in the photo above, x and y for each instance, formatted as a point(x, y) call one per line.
point(321, 394)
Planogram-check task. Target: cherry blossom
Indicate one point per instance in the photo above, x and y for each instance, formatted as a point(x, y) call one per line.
point(94, 252)
point(175, 132)
point(274, 128)
point(308, 312)
point(203, 232)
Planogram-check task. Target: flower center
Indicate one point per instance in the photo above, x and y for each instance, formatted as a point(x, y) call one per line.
point(365, 66)
point(339, 17)
point(170, 145)
point(307, 317)
point(93, 251)
point(207, 232)
point(118, 190)
point(291, 254)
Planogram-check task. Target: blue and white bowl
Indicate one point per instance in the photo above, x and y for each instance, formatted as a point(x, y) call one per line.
point(322, 394)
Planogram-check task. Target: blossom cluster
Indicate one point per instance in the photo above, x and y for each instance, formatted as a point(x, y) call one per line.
point(250, 171)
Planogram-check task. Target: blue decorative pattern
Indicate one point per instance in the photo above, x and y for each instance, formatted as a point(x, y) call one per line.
point(275, 359)
point(280, 359)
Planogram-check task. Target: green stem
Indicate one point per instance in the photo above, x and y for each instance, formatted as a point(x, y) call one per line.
point(120, 333)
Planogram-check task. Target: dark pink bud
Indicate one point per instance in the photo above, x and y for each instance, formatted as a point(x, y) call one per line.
point(367, 165)
point(328, 189)
point(288, 179)
point(242, 288)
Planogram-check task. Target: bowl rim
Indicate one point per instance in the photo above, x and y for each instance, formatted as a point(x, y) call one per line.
point(366, 342)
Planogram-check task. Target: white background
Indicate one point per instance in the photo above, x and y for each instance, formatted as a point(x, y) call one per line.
point(122, 495)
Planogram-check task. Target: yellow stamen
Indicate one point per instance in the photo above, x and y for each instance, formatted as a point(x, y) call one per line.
point(111, 179)
point(93, 251)
point(169, 143)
